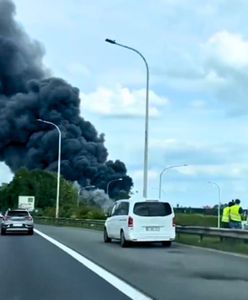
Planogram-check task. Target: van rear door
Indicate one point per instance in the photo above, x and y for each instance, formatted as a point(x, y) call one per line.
point(153, 218)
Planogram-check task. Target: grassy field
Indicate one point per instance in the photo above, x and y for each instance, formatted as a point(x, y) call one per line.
point(207, 242)
point(196, 220)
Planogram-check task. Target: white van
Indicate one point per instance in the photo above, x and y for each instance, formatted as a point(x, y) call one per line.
point(140, 221)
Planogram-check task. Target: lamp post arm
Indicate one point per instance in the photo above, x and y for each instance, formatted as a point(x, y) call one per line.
point(108, 184)
point(160, 180)
point(139, 53)
point(163, 171)
point(145, 176)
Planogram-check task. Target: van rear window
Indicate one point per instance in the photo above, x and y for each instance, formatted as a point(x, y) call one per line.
point(152, 209)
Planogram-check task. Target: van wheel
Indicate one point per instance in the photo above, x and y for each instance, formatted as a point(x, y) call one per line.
point(166, 243)
point(124, 243)
point(105, 236)
point(3, 231)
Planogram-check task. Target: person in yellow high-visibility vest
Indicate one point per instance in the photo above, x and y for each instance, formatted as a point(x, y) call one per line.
point(225, 220)
point(236, 215)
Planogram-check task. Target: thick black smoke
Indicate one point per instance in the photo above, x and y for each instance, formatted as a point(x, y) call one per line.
point(26, 94)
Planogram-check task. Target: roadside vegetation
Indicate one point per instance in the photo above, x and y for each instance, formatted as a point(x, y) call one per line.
point(196, 220)
point(229, 245)
point(42, 185)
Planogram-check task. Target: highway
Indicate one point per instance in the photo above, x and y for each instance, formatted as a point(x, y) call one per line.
point(38, 269)
point(34, 269)
point(175, 273)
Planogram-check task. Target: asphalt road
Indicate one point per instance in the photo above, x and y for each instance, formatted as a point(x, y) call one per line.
point(175, 273)
point(34, 269)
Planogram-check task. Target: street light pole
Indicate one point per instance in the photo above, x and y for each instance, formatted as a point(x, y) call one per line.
point(59, 161)
point(218, 187)
point(145, 176)
point(107, 190)
point(163, 171)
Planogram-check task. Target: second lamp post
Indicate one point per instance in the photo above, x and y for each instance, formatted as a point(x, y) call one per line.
point(162, 172)
point(107, 189)
point(219, 204)
point(59, 159)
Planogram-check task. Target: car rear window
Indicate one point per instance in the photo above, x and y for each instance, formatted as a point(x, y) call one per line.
point(17, 213)
point(152, 209)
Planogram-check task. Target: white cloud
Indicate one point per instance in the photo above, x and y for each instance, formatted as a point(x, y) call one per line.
point(226, 68)
point(121, 101)
point(227, 49)
point(214, 79)
point(226, 171)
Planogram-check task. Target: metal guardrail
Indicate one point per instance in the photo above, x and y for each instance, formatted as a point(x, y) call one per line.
point(222, 233)
point(202, 232)
point(89, 223)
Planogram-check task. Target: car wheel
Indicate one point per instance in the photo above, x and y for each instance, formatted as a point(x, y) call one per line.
point(31, 232)
point(105, 236)
point(166, 243)
point(124, 243)
point(3, 231)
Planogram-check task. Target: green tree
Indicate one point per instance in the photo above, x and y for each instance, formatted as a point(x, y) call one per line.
point(42, 185)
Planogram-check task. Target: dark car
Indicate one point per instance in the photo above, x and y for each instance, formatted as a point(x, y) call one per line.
point(17, 220)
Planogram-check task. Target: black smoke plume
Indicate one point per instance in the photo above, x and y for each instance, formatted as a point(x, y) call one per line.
point(27, 94)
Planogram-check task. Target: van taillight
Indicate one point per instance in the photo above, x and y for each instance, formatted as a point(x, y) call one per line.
point(130, 222)
point(174, 222)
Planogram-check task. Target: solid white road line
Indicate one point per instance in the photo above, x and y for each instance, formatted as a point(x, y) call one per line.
point(119, 284)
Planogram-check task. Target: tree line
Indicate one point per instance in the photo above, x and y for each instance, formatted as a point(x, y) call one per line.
point(43, 185)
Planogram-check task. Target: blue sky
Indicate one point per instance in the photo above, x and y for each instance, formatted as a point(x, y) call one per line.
point(198, 58)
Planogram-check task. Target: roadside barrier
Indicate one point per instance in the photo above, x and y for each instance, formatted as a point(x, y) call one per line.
point(222, 233)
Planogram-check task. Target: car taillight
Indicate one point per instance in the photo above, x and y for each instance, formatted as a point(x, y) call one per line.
point(174, 222)
point(130, 222)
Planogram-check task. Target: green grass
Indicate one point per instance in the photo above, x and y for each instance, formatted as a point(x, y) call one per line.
point(228, 245)
point(196, 220)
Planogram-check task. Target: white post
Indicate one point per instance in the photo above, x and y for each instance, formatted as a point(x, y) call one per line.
point(218, 187)
point(145, 175)
point(59, 162)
